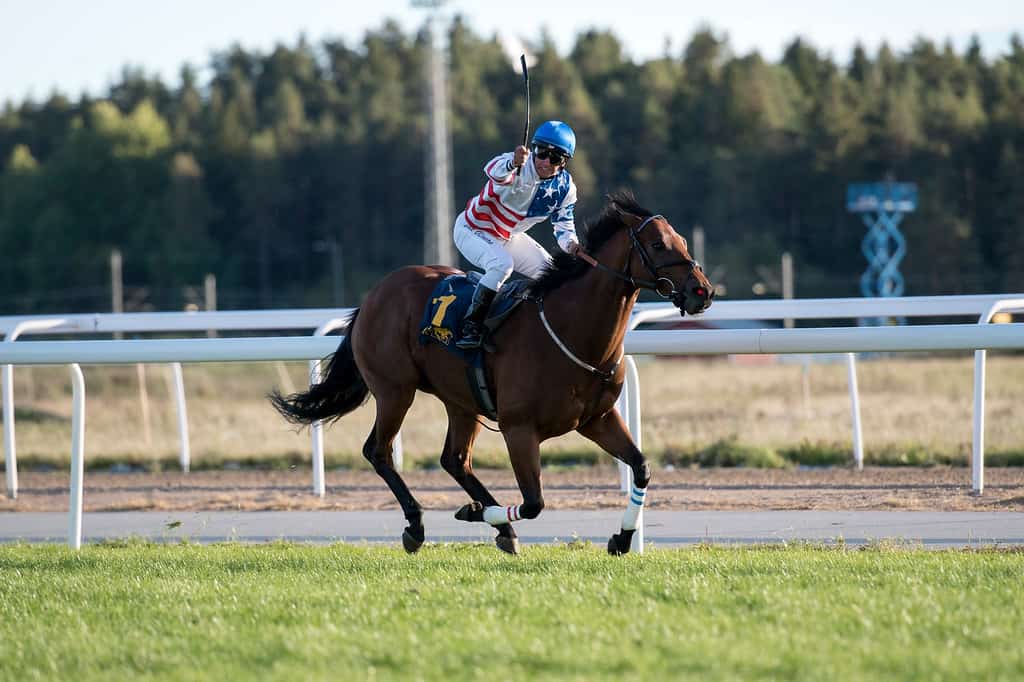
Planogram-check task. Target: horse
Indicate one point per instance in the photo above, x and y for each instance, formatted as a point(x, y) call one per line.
point(557, 366)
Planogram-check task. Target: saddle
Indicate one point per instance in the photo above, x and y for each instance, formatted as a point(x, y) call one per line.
point(442, 317)
point(442, 323)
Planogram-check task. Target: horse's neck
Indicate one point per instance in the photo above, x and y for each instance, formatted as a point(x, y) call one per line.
point(590, 314)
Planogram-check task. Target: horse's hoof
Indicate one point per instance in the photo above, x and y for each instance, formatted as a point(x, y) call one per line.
point(474, 511)
point(410, 542)
point(507, 544)
point(619, 543)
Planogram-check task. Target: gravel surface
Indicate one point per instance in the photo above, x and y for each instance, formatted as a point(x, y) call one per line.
point(836, 489)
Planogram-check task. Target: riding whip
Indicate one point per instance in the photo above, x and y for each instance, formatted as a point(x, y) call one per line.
point(526, 83)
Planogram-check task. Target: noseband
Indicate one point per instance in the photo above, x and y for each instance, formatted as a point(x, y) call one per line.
point(656, 282)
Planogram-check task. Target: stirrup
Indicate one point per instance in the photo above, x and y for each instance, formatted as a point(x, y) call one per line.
point(472, 339)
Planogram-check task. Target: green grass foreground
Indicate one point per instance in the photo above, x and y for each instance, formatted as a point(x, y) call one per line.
point(462, 612)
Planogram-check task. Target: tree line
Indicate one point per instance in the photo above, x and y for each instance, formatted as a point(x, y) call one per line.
point(247, 170)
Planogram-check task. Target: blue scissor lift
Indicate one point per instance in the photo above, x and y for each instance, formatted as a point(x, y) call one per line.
point(882, 206)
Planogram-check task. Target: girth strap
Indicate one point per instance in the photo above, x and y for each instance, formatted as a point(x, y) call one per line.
point(477, 379)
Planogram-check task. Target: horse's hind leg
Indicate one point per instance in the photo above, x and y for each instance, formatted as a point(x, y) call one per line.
point(457, 460)
point(524, 451)
point(391, 409)
point(609, 432)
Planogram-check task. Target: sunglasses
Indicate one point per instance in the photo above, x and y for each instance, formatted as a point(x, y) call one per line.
point(556, 157)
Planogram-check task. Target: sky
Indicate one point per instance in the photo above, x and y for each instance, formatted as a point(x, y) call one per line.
point(76, 46)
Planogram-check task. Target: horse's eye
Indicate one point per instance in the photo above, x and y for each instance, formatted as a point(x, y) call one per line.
point(658, 246)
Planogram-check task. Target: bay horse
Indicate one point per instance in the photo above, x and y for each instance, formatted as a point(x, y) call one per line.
point(557, 366)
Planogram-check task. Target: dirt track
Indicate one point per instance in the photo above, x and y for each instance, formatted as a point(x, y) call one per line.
point(938, 489)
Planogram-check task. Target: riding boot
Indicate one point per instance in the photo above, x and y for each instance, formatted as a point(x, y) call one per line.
point(473, 323)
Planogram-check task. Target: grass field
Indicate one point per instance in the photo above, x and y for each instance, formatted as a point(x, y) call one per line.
point(289, 612)
point(915, 411)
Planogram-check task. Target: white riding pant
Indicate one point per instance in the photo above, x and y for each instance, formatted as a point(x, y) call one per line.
point(497, 257)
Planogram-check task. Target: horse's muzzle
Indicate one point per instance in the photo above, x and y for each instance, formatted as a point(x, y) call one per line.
point(695, 298)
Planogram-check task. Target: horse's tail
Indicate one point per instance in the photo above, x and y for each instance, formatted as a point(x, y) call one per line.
point(338, 393)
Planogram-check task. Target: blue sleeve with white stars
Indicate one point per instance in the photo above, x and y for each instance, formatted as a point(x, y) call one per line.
point(563, 215)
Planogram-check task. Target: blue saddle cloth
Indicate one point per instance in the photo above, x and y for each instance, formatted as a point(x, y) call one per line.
point(448, 303)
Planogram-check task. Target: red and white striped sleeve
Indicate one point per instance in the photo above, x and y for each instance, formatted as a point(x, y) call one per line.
point(500, 168)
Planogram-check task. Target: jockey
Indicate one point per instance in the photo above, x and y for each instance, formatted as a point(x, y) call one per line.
point(524, 187)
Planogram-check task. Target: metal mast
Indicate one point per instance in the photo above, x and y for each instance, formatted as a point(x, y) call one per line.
point(437, 228)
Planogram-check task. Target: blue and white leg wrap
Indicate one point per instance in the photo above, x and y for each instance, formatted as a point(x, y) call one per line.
point(633, 509)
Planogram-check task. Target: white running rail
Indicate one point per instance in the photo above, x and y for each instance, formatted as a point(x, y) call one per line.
point(7, 391)
point(987, 305)
point(314, 318)
point(978, 440)
point(110, 323)
point(708, 342)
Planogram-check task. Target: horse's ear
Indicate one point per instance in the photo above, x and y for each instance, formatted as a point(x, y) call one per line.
point(623, 213)
point(628, 218)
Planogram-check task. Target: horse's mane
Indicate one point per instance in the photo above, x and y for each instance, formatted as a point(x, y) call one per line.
point(564, 267)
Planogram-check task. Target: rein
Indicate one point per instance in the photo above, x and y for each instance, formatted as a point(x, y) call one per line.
point(605, 377)
point(654, 284)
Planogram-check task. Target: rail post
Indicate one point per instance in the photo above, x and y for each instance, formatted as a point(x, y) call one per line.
point(77, 456)
point(185, 453)
point(858, 441)
point(978, 435)
point(7, 391)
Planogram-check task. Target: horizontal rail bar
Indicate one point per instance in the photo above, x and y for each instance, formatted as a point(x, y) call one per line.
point(168, 350)
point(701, 341)
point(838, 308)
point(228, 320)
point(311, 318)
point(828, 340)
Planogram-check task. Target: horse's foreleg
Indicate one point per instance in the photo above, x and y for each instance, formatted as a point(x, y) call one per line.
point(610, 433)
point(391, 411)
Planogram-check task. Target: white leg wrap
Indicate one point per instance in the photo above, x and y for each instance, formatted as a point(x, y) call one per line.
point(497, 516)
point(636, 504)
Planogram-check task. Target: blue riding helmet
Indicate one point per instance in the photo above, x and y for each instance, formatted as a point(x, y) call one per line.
point(557, 134)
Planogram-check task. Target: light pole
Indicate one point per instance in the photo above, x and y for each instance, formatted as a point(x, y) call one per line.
point(437, 232)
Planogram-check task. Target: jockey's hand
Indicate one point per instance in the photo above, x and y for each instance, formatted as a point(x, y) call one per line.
point(519, 156)
point(573, 249)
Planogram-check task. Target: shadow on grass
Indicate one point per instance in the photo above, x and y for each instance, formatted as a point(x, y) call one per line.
point(32, 415)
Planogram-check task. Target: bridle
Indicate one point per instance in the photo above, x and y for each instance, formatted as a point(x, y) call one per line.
point(654, 284)
point(657, 282)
